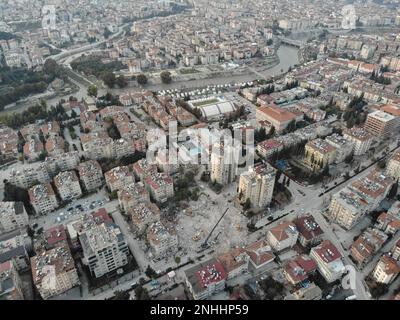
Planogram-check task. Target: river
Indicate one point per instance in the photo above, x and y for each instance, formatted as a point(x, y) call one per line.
point(288, 57)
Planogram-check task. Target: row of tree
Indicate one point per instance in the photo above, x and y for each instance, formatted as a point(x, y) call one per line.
point(34, 113)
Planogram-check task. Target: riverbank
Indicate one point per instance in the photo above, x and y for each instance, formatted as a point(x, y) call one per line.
point(287, 57)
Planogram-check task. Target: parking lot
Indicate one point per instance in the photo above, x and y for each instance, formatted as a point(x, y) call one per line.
point(71, 211)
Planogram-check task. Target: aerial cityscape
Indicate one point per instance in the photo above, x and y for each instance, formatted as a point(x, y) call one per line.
point(199, 150)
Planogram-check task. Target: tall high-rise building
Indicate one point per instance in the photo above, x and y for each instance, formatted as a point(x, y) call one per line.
point(104, 248)
point(381, 124)
point(257, 185)
point(351, 203)
point(224, 162)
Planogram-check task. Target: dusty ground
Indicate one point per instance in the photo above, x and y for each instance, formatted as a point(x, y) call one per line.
point(196, 222)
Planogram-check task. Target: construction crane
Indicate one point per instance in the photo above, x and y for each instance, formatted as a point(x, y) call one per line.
point(205, 243)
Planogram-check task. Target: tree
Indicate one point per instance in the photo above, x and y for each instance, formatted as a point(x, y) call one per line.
point(166, 77)
point(350, 122)
point(150, 272)
point(73, 114)
point(92, 91)
point(278, 175)
point(349, 158)
point(31, 232)
point(288, 182)
point(121, 295)
point(178, 260)
point(382, 164)
point(141, 79)
point(271, 132)
point(109, 79)
point(50, 67)
point(260, 134)
point(247, 204)
point(107, 33)
point(121, 81)
point(113, 132)
point(393, 191)
point(325, 171)
point(141, 293)
point(272, 288)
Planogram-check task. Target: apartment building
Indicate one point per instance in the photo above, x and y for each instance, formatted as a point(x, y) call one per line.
point(344, 147)
point(33, 149)
point(164, 164)
point(62, 162)
point(205, 279)
point(161, 240)
point(388, 222)
point(29, 176)
point(143, 214)
point(224, 163)
point(85, 221)
point(14, 247)
point(119, 177)
point(360, 138)
point(50, 129)
point(298, 270)
point(104, 249)
point(311, 292)
point(319, 153)
point(67, 185)
point(283, 236)
point(43, 198)
point(131, 194)
point(235, 262)
point(91, 175)
point(257, 186)
point(160, 186)
point(329, 261)
point(269, 147)
point(123, 147)
point(310, 233)
point(97, 145)
point(30, 131)
point(12, 216)
point(142, 168)
point(350, 204)
point(260, 254)
point(54, 272)
point(381, 124)
point(396, 251)
point(386, 270)
point(10, 282)
point(393, 166)
point(366, 245)
point(54, 145)
point(8, 144)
